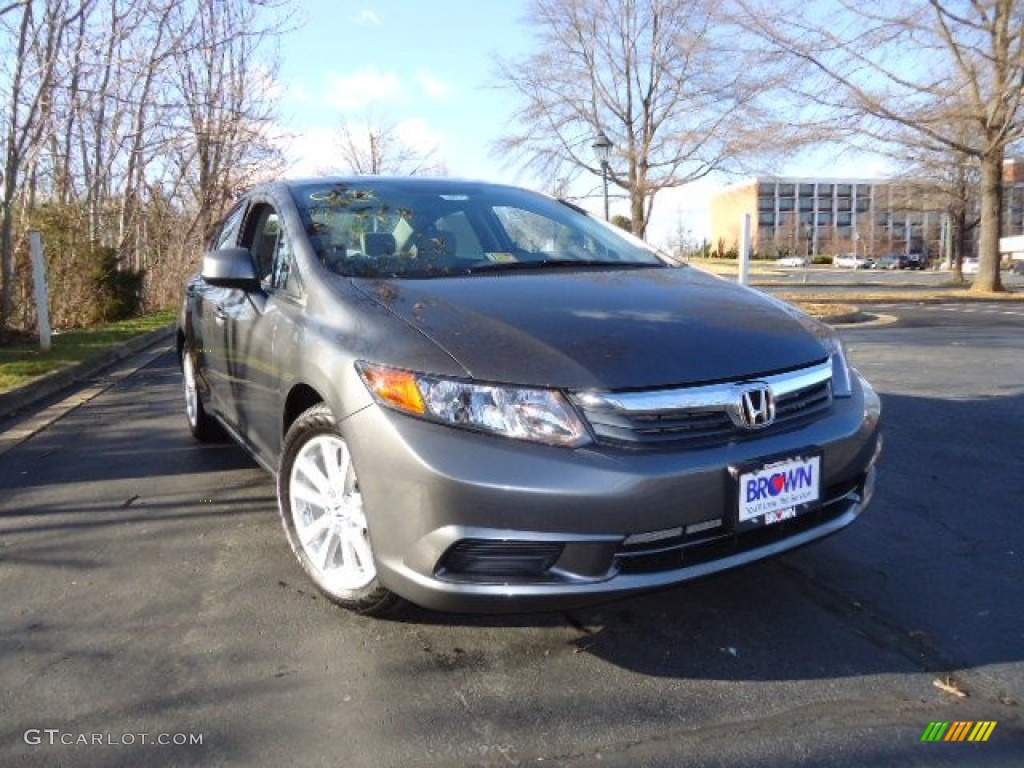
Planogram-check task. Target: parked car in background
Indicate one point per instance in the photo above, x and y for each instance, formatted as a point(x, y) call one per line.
point(476, 397)
point(792, 261)
point(969, 266)
point(852, 262)
point(1017, 267)
point(901, 261)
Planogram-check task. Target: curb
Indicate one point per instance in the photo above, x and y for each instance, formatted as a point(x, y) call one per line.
point(50, 384)
point(862, 320)
point(847, 318)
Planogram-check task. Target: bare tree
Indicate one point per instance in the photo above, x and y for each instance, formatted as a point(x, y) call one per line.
point(38, 35)
point(913, 73)
point(949, 182)
point(226, 141)
point(665, 80)
point(374, 145)
point(125, 128)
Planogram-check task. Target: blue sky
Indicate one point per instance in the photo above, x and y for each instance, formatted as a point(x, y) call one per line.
point(428, 67)
point(425, 66)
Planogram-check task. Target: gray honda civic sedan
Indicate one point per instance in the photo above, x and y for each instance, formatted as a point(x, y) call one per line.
point(476, 397)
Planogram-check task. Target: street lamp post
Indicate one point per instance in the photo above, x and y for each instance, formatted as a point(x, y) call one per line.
point(602, 147)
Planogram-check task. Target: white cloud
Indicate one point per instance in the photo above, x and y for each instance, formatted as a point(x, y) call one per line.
point(264, 80)
point(298, 93)
point(316, 150)
point(435, 89)
point(359, 90)
point(418, 134)
point(686, 208)
point(311, 152)
point(366, 16)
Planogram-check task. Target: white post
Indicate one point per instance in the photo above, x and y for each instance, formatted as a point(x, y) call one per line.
point(35, 241)
point(947, 240)
point(745, 251)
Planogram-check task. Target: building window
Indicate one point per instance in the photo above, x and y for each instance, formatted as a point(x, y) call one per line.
point(787, 189)
point(766, 203)
point(843, 190)
point(785, 203)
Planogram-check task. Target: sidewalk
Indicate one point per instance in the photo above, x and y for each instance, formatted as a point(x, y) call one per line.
point(28, 395)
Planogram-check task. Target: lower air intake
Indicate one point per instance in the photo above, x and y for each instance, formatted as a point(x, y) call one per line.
point(483, 560)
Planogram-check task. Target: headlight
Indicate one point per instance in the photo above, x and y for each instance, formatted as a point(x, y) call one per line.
point(540, 415)
point(842, 384)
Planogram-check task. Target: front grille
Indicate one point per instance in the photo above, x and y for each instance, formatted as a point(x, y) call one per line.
point(688, 550)
point(702, 415)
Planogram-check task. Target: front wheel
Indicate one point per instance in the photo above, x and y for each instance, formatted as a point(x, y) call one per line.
point(323, 516)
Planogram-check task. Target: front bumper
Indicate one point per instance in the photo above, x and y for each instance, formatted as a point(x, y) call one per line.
point(462, 521)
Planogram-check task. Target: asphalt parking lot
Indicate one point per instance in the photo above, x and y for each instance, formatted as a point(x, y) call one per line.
point(148, 589)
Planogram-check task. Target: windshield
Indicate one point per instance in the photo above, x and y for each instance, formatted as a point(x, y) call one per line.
point(421, 228)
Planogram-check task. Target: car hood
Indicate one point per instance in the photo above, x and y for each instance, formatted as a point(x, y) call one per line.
point(604, 329)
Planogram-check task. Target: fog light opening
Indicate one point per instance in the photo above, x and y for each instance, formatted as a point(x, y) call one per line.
point(496, 560)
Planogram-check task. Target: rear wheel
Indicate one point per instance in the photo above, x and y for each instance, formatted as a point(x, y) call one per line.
point(322, 512)
point(203, 426)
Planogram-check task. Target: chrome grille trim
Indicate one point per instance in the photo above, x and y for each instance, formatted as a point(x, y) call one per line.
point(709, 397)
point(702, 413)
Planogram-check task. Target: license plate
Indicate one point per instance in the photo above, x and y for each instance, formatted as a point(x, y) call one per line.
point(779, 490)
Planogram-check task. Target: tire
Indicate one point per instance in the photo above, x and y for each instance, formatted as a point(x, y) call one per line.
point(203, 427)
point(322, 513)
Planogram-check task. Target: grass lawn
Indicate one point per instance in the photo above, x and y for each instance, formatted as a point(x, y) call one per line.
point(21, 362)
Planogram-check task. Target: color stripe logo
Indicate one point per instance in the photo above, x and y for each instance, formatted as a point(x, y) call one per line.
point(959, 730)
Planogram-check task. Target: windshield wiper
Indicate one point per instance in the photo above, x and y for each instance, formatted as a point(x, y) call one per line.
point(502, 266)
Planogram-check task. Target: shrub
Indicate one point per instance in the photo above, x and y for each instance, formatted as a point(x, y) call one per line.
point(622, 222)
point(118, 291)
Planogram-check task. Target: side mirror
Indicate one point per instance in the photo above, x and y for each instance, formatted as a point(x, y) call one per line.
point(230, 268)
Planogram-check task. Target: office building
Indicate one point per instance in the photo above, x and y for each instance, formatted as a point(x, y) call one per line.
point(806, 216)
